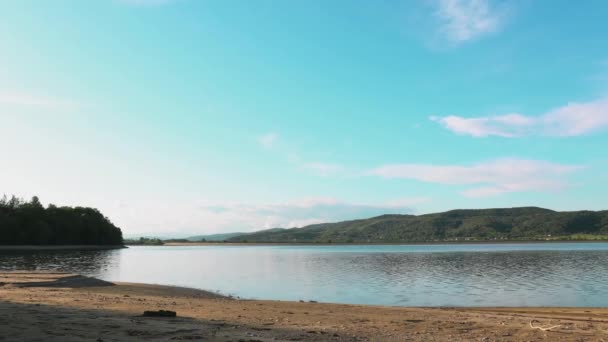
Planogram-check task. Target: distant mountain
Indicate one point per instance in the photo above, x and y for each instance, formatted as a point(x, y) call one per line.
point(214, 237)
point(227, 236)
point(526, 223)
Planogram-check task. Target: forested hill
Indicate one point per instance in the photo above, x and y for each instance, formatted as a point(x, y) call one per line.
point(528, 223)
point(29, 223)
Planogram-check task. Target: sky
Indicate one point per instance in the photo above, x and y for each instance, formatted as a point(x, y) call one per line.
point(182, 117)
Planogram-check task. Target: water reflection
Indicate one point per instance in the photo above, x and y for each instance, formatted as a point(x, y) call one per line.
point(460, 275)
point(94, 263)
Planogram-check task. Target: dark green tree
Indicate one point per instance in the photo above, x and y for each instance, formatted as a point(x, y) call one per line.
point(30, 223)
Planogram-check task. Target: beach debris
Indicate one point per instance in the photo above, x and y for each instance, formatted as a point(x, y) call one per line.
point(542, 328)
point(160, 313)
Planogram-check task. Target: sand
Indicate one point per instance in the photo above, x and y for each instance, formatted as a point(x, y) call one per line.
point(65, 307)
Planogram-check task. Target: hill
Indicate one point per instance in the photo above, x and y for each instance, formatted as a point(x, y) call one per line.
point(526, 223)
point(214, 237)
point(230, 236)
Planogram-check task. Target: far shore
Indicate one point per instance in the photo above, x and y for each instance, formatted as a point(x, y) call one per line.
point(43, 306)
point(58, 247)
point(489, 242)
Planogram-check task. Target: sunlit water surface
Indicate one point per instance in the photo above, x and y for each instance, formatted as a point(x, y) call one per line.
point(552, 274)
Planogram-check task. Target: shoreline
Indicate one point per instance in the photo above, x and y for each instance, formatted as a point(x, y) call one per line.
point(59, 247)
point(491, 242)
point(60, 306)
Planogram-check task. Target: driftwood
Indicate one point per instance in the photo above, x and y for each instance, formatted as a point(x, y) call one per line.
point(542, 328)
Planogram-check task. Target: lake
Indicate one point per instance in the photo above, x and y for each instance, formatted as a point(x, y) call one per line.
point(527, 274)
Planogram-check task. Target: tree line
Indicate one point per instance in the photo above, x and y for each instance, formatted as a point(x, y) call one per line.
point(30, 223)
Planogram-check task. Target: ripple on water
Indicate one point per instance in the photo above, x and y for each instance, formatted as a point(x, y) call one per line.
point(510, 275)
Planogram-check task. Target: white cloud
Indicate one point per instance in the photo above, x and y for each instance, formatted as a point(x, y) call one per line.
point(509, 125)
point(248, 217)
point(516, 186)
point(576, 119)
point(322, 169)
point(573, 119)
point(465, 20)
point(492, 178)
point(186, 219)
point(268, 140)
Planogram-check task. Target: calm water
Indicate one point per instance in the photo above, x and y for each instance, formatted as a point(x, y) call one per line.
point(564, 274)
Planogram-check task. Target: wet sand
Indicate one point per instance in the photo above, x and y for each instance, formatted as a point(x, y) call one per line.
point(63, 307)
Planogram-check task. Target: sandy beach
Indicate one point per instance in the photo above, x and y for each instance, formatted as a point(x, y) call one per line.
point(65, 307)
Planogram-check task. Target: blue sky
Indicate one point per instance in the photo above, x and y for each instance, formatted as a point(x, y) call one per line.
point(178, 117)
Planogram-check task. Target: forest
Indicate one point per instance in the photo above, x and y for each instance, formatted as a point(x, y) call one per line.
point(30, 223)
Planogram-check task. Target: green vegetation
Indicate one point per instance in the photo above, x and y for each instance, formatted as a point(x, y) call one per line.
point(180, 240)
point(528, 223)
point(29, 223)
point(580, 237)
point(213, 237)
point(142, 241)
point(226, 237)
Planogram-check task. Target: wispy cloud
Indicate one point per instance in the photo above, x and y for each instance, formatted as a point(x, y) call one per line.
point(509, 125)
point(268, 140)
point(323, 169)
point(490, 178)
point(301, 212)
point(319, 168)
point(572, 119)
point(465, 20)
